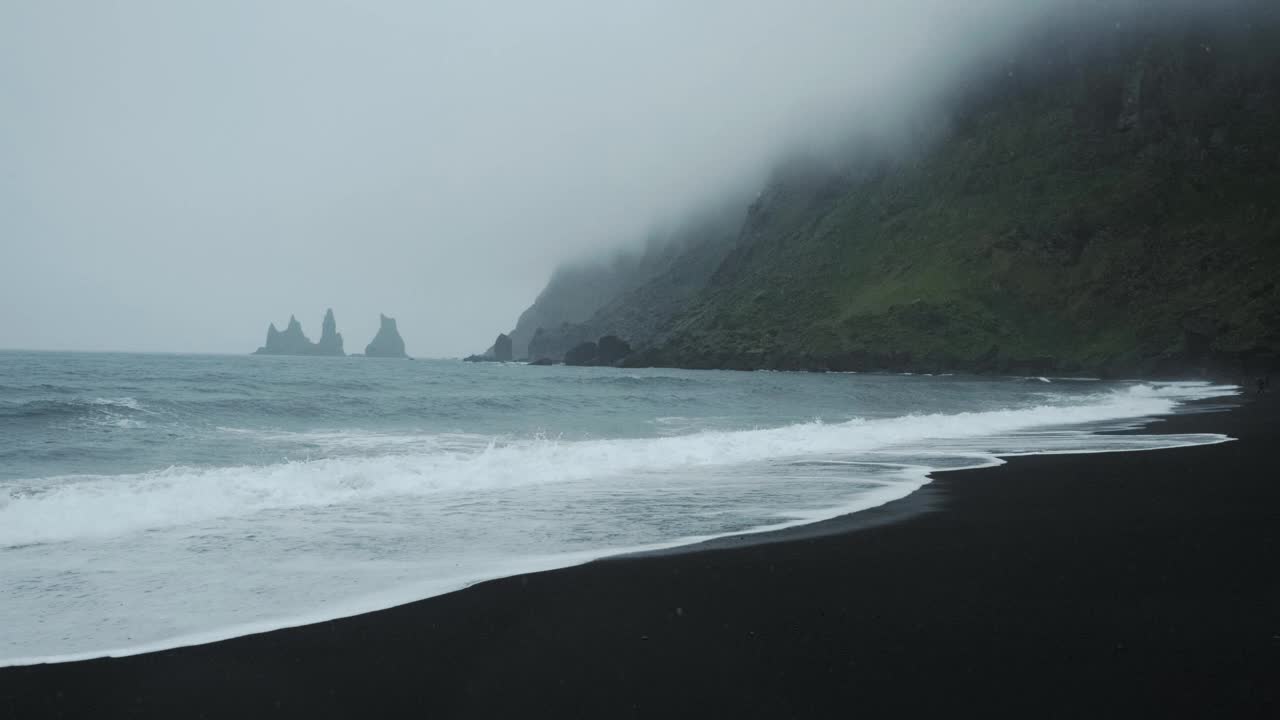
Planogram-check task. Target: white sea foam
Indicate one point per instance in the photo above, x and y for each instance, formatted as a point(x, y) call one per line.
point(367, 441)
point(123, 402)
point(912, 478)
point(119, 564)
point(88, 506)
point(113, 413)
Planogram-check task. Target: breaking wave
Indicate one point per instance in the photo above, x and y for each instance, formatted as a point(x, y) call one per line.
point(34, 409)
point(73, 507)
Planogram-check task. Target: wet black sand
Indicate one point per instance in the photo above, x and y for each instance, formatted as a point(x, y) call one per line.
point(1142, 584)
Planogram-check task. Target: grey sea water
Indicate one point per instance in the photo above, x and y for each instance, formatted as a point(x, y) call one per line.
point(148, 501)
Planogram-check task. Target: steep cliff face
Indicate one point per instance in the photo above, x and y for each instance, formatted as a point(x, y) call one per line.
point(1106, 200)
point(634, 295)
point(572, 296)
point(502, 348)
point(292, 341)
point(387, 343)
point(552, 344)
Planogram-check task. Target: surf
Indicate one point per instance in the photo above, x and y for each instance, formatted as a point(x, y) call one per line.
point(342, 511)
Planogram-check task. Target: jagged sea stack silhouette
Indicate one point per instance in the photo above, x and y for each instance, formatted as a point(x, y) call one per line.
point(387, 343)
point(292, 341)
point(330, 339)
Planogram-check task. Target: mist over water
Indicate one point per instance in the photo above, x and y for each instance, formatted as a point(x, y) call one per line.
point(153, 500)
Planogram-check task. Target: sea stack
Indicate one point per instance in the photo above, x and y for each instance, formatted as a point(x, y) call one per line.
point(292, 341)
point(330, 339)
point(387, 343)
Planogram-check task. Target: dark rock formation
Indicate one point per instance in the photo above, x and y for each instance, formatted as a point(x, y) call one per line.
point(292, 341)
point(387, 343)
point(542, 361)
point(610, 349)
point(500, 352)
point(330, 339)
point(502, 348)
point(555, 342)
point(581, 354)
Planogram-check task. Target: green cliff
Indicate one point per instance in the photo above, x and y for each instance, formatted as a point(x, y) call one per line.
point(1106, 200)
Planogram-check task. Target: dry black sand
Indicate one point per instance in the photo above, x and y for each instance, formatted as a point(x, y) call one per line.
point(1142, 584)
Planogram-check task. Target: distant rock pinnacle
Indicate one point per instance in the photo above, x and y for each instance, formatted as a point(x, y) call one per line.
point(292, 341)
point(387, 343)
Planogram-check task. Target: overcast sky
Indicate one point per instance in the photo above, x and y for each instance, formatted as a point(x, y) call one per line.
point(176, 174)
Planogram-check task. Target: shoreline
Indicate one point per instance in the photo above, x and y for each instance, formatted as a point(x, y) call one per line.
point(778, 532)
point(889, 503)
point(546, 638)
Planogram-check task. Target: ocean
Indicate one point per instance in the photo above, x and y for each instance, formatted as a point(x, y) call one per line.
point(151, 501)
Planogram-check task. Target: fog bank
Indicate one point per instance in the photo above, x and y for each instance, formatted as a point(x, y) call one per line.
point(178, 175)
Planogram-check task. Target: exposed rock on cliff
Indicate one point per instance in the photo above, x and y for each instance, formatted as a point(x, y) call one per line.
point(387, 343)
point(609, 350)
point(581, 354)
point(502, 348)
point(555, 342)
point(501, 351)
point(633, 293)
point(292, 341)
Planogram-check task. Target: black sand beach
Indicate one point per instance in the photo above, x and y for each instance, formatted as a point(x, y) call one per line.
point(1143, 584)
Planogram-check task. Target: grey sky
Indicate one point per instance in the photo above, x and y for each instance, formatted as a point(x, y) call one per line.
point(176, 174)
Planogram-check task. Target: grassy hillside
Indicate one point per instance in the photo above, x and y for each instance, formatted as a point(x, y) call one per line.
point(1107, 201)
